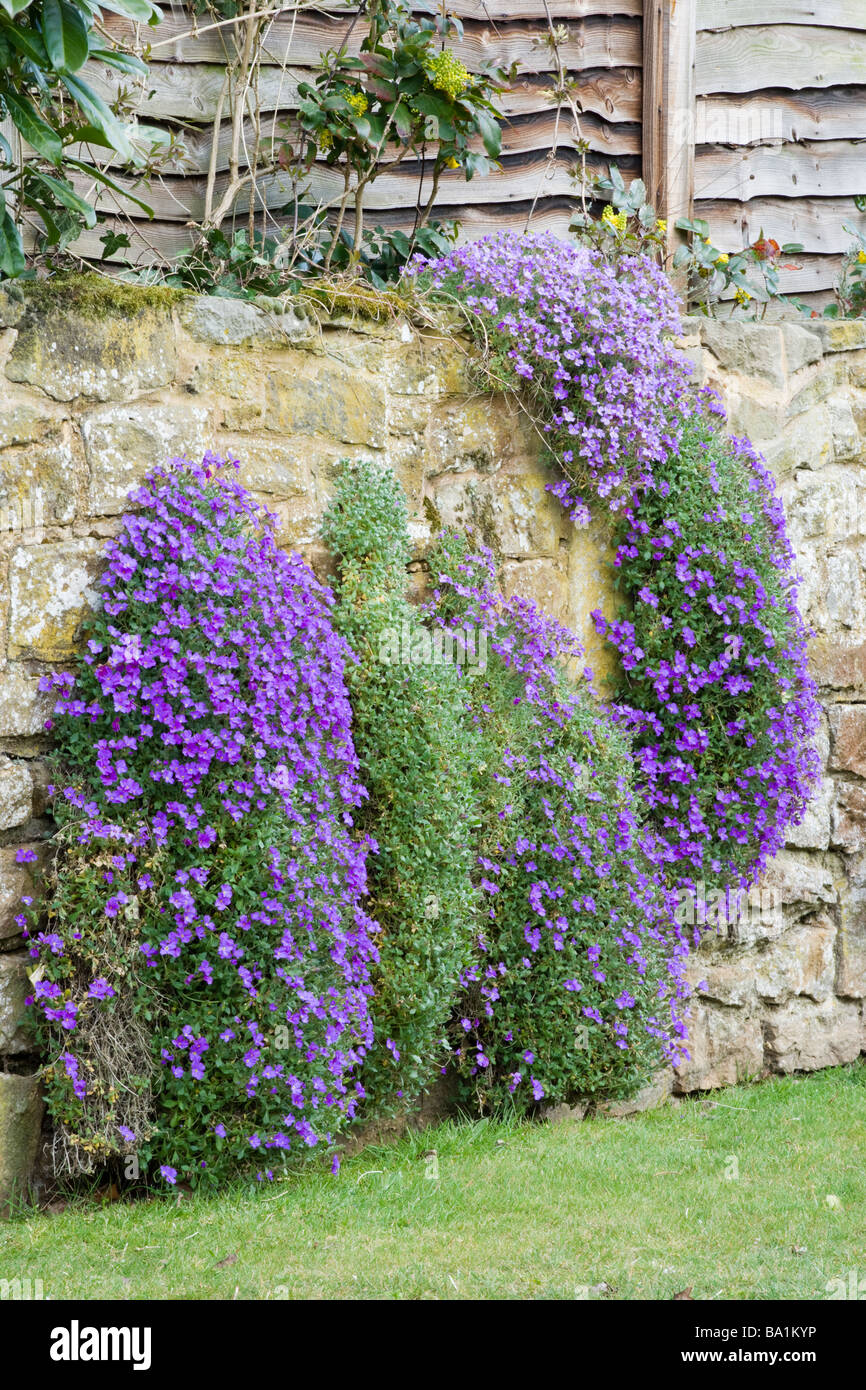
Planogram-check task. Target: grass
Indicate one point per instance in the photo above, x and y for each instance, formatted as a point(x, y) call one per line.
point(726, 1194)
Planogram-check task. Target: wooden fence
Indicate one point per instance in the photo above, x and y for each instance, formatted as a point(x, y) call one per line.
point(751, 113)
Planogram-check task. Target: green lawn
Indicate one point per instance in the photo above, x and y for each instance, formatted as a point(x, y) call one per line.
point(638, 1208)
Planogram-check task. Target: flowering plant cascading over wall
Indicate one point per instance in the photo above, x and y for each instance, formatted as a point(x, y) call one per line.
point(715, 688)
point(203, 973)
point(578, 989)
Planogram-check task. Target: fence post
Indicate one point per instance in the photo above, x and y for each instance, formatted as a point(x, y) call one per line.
point(669, 28)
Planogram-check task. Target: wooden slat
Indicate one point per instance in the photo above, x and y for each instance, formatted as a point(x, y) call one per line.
point(837, 114)
point(831, 167)
point(817, 224)
point(780, 55)
point(160, 243)
point(839, 14)
point(668, 109)
point(600, 42)
point(521, 135)
point(189, 93)
point(183, 199)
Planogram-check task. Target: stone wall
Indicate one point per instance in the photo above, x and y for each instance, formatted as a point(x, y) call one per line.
point(94, 391)
point(787, 993)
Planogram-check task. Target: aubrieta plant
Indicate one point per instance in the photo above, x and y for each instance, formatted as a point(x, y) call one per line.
point(713, 645)
point(209, 865)
point(577, 990)
point(416, 763)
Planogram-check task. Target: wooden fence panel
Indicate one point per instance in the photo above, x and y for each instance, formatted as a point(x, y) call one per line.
point(603, 47)
point(780, 128)
point(750, 112)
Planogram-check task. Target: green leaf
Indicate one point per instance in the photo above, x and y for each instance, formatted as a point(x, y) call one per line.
point(491, 133)
point(102, 177)
point(141, 10)
point(14, 7)
point(35, 131)
point(124, 62)
point(28, 42)
point(402, 121)
point(99, 115)
point(11, 253)
point(66, 195)
point(65, 35)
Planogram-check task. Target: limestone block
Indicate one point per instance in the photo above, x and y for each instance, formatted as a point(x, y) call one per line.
point(794, 884)
point(802, 347)
point(849, 817)
point(826, 505)
point(752, 416)
point(23, 706)
point(727, 976)
point(848, 725)
point(123, 443)
point(650, 1096)
point(16, 881)
point(851, 945)
point(544, 581)
point(749, 349)
point(16, 793)
point(726, 1046)
point(330, 400)
point(514, 513)
point(813, 832)
point(38, 484)
point(268, 467)
point(51, 588)
point(846, 436)
point(801, 962)
point(234, 322)
point(69, 353)
point(15, 1032)
point(474, 435)
point(24, 418)
point(844, 597)
point(837, 662)
point(801, 444)
point(21, 1110)
point(803, 1036)
point(841, 335)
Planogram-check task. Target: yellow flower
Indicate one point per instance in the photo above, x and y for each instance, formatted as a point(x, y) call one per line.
point(661, 225)
point(617, 220)
point(325, 140)
point(722, 258)
point(358, 102)
point(449, 74)
point(452, 163)
point(861, 257)
point(742, 296)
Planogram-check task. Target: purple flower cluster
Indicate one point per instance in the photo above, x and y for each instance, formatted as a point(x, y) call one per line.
point(713, 648)
point(213, 779)
point(588, 343)
point(572, 879)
